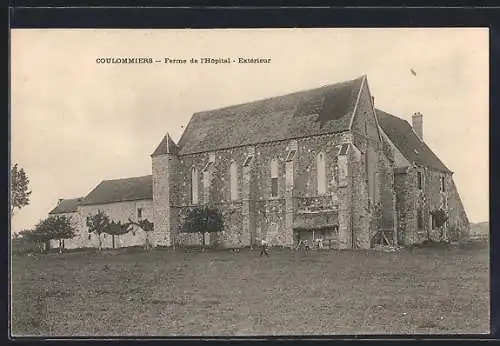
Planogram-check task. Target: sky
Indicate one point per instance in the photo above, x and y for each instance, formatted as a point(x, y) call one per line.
point(75, 122)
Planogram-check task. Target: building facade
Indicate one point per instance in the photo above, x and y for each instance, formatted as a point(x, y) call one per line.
point(322, 163)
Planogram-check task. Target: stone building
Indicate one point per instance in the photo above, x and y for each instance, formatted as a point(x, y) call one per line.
point(321, 163)
point(69, 208)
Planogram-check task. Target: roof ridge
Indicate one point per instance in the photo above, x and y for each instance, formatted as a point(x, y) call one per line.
point(391, 115)
point(277, 96)
point(66, 205)
point(363, 81)
point(314, 111)
point(136, 177)
point(119, 190)
point(70, 199)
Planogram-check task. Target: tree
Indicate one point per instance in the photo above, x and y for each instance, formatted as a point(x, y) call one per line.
point(98, 224)
point(35, 236)
point(147, 226)
point(440, 217)
point(117, 228)
point(20, 189)
point(203, 219)
point(58, 227)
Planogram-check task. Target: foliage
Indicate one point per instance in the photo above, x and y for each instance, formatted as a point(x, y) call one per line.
point(203, 219)
point(56, 228)
point(147, 226)
point(52, 228)
point(98, 224)
point(28, 241)
point(117, 228)
point(20, 189)
point(34, 235)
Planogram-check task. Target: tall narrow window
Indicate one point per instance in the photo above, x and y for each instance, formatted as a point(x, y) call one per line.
point(233, 171)
point(194, 186)
point(443, 186)
point(342, 164)
point(420, 180)
point(321, 173)
point(274, 178)
point(139, 213)
point(420, 220)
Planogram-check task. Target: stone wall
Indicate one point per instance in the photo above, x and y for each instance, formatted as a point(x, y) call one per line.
point(429, 199)
point(232, 236)
point(120, 211)
point(164, 168)
point(386, 202)
point(411, 199)
point(364, 121)
point(256, 213)
point(404, 185)
point(373, 178)
point(456, 212)
point(361, 230)
point(218, 193)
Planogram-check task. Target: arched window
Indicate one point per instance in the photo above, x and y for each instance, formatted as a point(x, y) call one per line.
point(321, 173)
point(194, 186)
point(233, 172)
point(274, 178)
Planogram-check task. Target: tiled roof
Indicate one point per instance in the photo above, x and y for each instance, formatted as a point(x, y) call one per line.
point(66, 206)
point(312, 112)
point(408, 143)
point(120, 190)
point(166, 146)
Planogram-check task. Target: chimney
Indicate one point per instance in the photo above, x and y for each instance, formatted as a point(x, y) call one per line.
point(373, 100)
point(417, 121)
point(59, 201)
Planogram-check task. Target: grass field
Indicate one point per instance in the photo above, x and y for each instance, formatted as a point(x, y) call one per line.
point(161, 293)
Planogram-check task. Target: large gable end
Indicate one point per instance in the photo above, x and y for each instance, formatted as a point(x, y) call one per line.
point(364, 120)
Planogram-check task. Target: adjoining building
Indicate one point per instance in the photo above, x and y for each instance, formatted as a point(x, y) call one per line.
point(321, 163)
